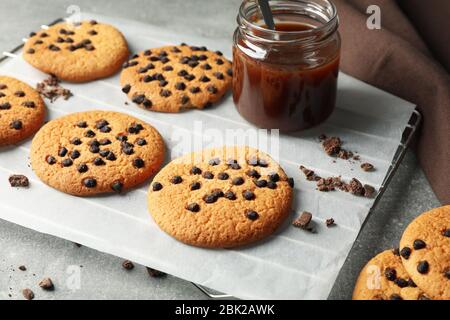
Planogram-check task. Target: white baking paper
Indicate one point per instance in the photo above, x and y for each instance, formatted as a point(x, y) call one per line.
point(291, 264)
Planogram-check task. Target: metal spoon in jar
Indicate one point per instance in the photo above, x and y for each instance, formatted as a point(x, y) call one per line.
point(264, 6)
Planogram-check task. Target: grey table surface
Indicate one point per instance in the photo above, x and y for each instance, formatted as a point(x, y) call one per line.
point(82, 273)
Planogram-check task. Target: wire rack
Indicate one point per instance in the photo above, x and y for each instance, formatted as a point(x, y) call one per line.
point(407, 137)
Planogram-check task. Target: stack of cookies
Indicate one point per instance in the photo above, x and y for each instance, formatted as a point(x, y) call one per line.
point(419, 270)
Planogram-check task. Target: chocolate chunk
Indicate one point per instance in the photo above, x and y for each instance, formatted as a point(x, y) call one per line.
point(22, 268)
point(219, 75)
point(180, 86)
point(16, 125)
point(395, 297)
point(219, 53)
point(32, 34)
point(193, 64)
point(367, 167)
point(219, 62)
point(94, 148)
point(252, 215)
point(423, 267)
point(204, 79)
point(206, 66)
point(157, 186)
point(390, 274)
point(62, 152)
point(82, 124)
point(128, 150)
point(167, 68)
point(193, 207)
point(332, 145)
point(210, 199)
point(31, 51)
point(147, 53)
point(105, 129)
point(67, 162)
point(182, 73)
point(89, 134)
point(248, 195)
point(411, 284)
point(176, 180)
point(212, 89)
point(155, 273)
point(19, 94)
point(303, 221)
point(52, 47)
point(330, 223)
point(101, 124)
point(111, 157)
point(253, 174)
point(104, 153)
point(165, 93)
point(5, 106)
point(105, 142)
point(93, 22)
point(138, 163)
point(175, 50)
point(196, 170)
point(238, 181)
point(402, 283)
point(47, 284)
point(234, 165)
point(76, 141)
point(38, 42)
point(261, 183)
point(128, 265)
point(184, 100)
point(99, 162)
point(202, 57)
point(309, 174)
point(223, 176)
point(447, 273)
point(271, 185)
point(50, 160)
point(141, 142)
point(60, 40)
point(356, 187)
point(208, 175)
point(18, 180)
point(3, 86)
point(163, 83)
point(75, 154)
point(138, 99)
point(230, 195)
point(121, 138)
point(117, 186)
point(126, 89)
point(82, 168)
point(274, 177)
point(195, 186)
point(90, 183)
point(44, 35)
point(405, 253)
point(189, 77)
point(195, 90)
point(446, 233)
point(369, 191)
point(28, 294)
point(185, 60)
point(419, 244)
point(2, 95)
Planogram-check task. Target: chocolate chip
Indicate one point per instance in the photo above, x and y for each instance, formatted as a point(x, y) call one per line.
point(29, 104)
point(405, 253)
point(104, 142)
point(3, 86)
point(185, 60)
point(206, 66)
point(193, 207)
point(90, 183)
point(82, 168)
point(189, 77)
point(38, 42)
point(210, 199)
point(180, 86)
point(395, 297)
point(219, 62)
point(176, 180)
point(128, 265)
point(419, 244)
point(5, 106)
point(31, 51)
point(82, 124)
point(147, 53)
point(165, 60)
point(233, 164)
point(117, 186)
point(271, 185)
point(121, 138)
point(208, 175)
point(101, 123)
point(28, 294)
point(2, 95)
point(252, 215)
point(248, 195)
point(253, 174)
point(163, 83)
point(230, 195)
point(69, 40)
point(193, 64)
point(89, 134)
point(219, 75)
point(390, 274)
point(148, 78)
point(138, 99)
point(44, 35)
point(126, 89)
point(92, 32)
point(423, 267)
point(62, 152)
point(182, 73)
point(142, 70)
point(204, 79)
point(175, 50)
point(141, 142)
point(105, 129)
point(261, 183)
point(165, 93)
point(50, 160)
point(67, 162)
point(274, 177)
point(93, 22)
point(291, 182)
point(18, 180)
point(402, 283)
point(447, 273)
point(411, 284)
point(184, 100)
point(195, 186)
point(60, 40)
point(129, 64)
point(104, 153)
point(212, 89)
point(46, 284)
point(238, 181)
point(196, 170)
point(16, 125)
point(195, 90)
point(52, 47)
point(75, 154)
point(223, 176)
point(219, 53)
point(32, 34)
point(168, 68)
point(111, 157)
point(138, 163)
point(446, 233)
point(94, 148)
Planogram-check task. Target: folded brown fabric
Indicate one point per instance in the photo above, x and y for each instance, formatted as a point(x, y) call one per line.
point(399, 60)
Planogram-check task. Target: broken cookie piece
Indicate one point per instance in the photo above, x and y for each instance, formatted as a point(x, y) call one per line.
point(19, 181)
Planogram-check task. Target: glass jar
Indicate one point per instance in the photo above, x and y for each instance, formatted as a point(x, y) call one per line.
point(287, 78)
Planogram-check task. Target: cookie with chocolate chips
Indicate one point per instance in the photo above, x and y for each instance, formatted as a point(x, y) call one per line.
point(385, 278)
point(96, 152)
point(77, 53)
point(425, 252)
point(176, 78)
point(212, 198)
point(22, 111)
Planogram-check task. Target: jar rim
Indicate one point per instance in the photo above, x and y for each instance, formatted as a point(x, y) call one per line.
point(324, 29)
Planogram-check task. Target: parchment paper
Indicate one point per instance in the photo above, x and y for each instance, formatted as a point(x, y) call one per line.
point(292, 264)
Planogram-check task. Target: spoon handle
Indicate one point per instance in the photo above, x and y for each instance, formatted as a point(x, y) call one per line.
point(264, 6)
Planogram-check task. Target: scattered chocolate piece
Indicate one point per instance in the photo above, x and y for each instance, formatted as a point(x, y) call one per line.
point(155, 273)
point(330, 223)
point(51, 89)
point(309, 174)
point(22, 268)
point(28, 294)
point(369, 191)
point(47, 284)
point(19, 181)
point(356, 187)
point(367, 167)
point(128, 265)
point(303, 221)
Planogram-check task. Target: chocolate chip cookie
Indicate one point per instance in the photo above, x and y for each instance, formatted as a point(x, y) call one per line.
point(425, 252)
point(96, 152)
point(22, 111)
point(221, 198)
point(175, 78)
point(77, 53)
point(385, 278)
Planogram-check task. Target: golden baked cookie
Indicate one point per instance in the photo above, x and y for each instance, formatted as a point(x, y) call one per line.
point(384, 278)
point(96, 152)
point(175, 78)
point(221, 198)
point(77, 53)
point(425, 251)
point(22, 111)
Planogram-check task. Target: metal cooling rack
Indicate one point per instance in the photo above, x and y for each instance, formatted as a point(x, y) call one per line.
point(407, 136)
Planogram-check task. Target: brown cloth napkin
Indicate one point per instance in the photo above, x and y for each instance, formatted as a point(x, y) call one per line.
point(409, 57)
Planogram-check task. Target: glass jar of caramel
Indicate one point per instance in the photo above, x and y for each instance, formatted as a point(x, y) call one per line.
point(287, 78)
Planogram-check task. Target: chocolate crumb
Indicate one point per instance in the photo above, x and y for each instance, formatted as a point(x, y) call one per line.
point(19, 181)
point(47, 284)
point(332, 146)
point(50, 88)
point(128, 265)
point(367, 167)
point(22, 268)
point(303, 221)
point(330, 223)
point(155, 273)
point(28, 294)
